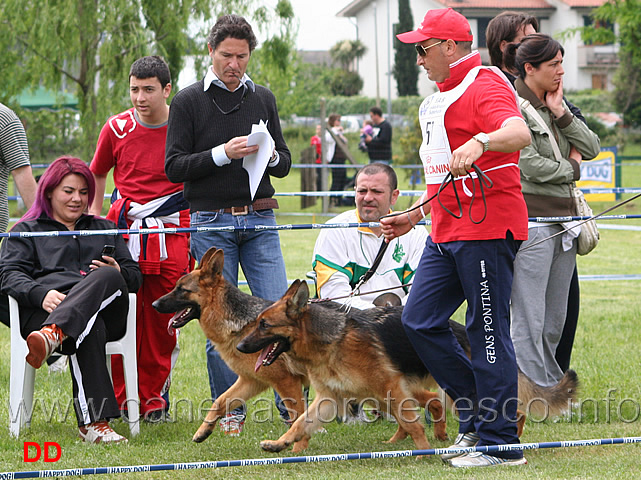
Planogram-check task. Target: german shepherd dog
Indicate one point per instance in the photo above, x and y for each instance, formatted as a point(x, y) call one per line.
point(227, 315)
point(364, 354)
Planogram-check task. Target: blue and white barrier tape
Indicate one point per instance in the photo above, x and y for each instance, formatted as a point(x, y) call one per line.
point(316, 458)
point(409, 193)
point(301, 226)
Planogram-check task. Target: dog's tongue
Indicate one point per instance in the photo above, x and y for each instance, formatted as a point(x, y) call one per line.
point(262, 356)
point(170, 325)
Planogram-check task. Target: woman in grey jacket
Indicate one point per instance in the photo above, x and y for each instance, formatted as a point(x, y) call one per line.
point(543, 271)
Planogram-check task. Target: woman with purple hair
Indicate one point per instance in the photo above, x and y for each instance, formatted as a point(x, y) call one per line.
point(72, 298)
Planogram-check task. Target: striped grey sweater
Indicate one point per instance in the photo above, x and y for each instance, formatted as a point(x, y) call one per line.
point(14, 153)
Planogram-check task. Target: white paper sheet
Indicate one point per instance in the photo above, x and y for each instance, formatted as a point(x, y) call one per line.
point(256, 163)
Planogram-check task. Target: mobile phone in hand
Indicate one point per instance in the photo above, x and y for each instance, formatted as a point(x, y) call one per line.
point(108, 250)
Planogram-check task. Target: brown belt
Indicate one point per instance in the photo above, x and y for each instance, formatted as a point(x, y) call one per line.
point(260, 204)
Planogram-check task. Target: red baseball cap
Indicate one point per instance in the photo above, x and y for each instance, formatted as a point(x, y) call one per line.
point(442, 23)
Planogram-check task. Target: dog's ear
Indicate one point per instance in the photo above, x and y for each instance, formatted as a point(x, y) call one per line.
point(212, 262)
point(297, 303)
point(205, 260)
point(291, 290)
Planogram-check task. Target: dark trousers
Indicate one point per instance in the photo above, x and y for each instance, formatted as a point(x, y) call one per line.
point(484, 388)
point(4, 310)
point(564, 348)
point(339, 179)
point(102, 292)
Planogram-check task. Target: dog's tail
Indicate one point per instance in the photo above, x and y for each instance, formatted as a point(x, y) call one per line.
point(548, 401)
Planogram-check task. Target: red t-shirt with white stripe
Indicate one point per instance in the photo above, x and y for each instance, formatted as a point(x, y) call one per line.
point(487, 104)
point(137, 154)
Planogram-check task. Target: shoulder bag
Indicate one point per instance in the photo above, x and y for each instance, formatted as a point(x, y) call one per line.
point(589, 236)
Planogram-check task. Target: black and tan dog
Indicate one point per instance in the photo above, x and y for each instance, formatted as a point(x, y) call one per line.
point(364, 354)
point(226, 316)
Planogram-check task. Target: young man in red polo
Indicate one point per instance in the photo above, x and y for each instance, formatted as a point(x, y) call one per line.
point(133, 144)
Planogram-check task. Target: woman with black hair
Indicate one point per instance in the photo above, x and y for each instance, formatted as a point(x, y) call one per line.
point(550, 166)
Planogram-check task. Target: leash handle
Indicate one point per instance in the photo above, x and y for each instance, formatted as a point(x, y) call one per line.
point(593, 217)
point(484, 182)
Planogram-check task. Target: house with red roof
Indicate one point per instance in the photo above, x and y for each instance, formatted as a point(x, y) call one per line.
point(586, 66)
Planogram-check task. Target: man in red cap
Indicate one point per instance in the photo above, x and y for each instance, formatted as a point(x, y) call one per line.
point(473, 119)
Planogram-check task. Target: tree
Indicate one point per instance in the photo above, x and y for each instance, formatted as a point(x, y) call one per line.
point(310, 83)
point(346, 83)
point(274, 63)
point(87, 46)
point(346, 52)
point(405, 70)
point(626, 14)
point(345, 80)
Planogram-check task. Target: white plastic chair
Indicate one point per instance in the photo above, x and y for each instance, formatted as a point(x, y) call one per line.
point(23, 375)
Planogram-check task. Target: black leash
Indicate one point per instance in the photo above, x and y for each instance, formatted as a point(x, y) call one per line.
point(484, 182)
point(593, 217)
point(368, 274)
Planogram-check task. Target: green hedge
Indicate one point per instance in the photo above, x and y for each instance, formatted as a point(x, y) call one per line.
point(359, 104)
point(592, 101)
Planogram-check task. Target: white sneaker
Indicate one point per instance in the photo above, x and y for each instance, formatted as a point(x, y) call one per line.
point(359, 417)
point(232, 424)
point(100, 432)
point(469, 439)
point(383, 414)
point(479, 459)
point(60, 365)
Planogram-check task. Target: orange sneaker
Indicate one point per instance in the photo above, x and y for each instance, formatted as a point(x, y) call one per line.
point(42, 343)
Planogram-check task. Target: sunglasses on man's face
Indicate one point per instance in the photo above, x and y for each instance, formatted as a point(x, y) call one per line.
point(422, 51)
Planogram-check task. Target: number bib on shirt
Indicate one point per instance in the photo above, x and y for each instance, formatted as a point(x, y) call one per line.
point(435, 151)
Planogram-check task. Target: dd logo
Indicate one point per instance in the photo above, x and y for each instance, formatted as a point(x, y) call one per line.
point(47, 452)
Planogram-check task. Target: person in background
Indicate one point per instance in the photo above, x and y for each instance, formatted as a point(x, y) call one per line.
point(336, 155)
point(506, 28)
point(14, 159)
point(72, 299)
point(343, 255)
point(315, 142)
point(365, 131)
point(132, 143)
point(544, 266)
point(209, 122)
point(379, 142)
point(473, 120)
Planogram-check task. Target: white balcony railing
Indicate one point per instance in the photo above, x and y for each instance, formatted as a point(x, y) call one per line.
point(598, 55)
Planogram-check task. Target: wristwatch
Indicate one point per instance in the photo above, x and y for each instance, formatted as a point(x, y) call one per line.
point(484, 139)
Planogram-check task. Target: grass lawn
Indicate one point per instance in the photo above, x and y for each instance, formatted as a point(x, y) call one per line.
point(605, 358)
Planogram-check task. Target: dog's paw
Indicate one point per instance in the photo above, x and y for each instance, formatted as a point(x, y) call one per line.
point(441, 436)
point(300, 445)
point(271, 446)
point(202, 434)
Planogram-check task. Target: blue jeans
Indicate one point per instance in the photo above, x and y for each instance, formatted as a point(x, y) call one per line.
point(261, 259)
